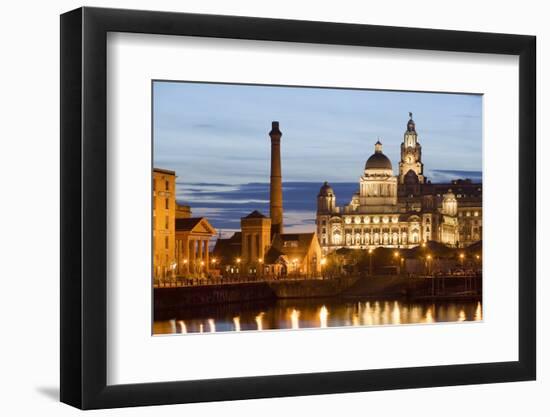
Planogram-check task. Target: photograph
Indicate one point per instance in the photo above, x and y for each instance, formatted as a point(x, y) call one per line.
point(285, 204)
point(300, 207)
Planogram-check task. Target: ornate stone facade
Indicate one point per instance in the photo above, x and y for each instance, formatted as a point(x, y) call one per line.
point(400, 211)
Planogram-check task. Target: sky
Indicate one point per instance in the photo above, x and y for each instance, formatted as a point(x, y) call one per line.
point(215, 136)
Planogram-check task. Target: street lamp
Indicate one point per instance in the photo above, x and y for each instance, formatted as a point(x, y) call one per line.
point(370, 262)
point(396, 256)
point(428, 263)
point(462, 260)
point(185, 268)
point(323, 263)
point(173, 268)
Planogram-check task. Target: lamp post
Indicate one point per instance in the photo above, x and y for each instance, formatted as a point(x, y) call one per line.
point(323, 263)
point(238, 266)
point(173, 267)
point(370, 262)
point(462, 260)
point(213, 262)
point(295, 263)
point(260, 266)
point(396, 257)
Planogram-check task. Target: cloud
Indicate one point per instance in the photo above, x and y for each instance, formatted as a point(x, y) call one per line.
point(447, 175)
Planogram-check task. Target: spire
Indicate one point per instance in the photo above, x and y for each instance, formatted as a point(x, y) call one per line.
point(378, 147)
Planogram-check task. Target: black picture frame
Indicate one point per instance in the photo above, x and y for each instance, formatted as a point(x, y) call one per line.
point(84, 207)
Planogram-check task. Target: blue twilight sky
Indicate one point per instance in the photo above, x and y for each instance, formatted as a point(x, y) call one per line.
point(215, 136)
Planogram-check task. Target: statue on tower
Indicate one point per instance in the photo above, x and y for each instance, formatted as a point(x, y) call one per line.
point(410, 124)
point(411, 166)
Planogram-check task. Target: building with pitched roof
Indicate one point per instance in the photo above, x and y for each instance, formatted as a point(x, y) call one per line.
point(192, 253)
point(261, 247)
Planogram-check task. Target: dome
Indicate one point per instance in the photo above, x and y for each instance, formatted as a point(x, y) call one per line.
point(378, 160)
point(326, 190)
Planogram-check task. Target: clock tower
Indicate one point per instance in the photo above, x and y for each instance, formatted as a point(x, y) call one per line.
point(411, 168)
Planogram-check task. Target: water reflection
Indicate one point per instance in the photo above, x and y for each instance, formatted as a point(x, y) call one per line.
point(312, 313)
point(259, 323)
point(237, 323)
point(182, 327)
point(294, 319)
point(323, 316)
point(212, 325)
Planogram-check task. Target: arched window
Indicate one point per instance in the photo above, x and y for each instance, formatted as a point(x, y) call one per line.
point(336, 238)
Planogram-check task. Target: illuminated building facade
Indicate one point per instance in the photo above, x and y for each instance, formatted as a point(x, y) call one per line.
point(400, 211)
point(164, 214)
point(180, 242)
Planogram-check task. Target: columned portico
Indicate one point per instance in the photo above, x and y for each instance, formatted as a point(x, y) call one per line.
point(193, 236)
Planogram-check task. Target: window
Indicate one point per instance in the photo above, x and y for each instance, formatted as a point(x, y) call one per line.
point(167, 203)
point(167, 185)
point(166, 242)
point(166, 222)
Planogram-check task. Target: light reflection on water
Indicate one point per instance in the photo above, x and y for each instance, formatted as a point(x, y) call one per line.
point(313, 313)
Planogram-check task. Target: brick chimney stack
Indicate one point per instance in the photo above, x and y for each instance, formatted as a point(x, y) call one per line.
point(276, 181)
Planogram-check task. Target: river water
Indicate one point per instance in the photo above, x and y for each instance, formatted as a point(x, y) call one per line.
point(312, 313)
